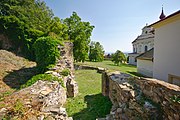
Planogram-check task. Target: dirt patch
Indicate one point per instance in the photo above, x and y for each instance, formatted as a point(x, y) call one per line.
point(14, 71)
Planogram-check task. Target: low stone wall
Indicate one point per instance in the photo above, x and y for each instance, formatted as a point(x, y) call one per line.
point(140, 98)
point(99, 69)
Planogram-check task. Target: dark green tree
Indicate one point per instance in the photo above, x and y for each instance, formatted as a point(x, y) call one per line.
point(96, 52)
point(79, 33)
point(118, 57)
point(23, 21)
point(46, 51)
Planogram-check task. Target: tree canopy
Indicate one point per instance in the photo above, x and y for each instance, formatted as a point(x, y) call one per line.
point(118, 57)
point(79, 33)
point(24, 21)
point(96, 52)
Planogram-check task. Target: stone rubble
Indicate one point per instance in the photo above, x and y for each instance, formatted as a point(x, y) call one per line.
point(45, 99)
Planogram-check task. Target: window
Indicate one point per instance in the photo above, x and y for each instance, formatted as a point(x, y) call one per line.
point(145, 48)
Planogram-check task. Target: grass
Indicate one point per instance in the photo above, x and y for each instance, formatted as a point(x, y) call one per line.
point(90, 103)
point(130, 69)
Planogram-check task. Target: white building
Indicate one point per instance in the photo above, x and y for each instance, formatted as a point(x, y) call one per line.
point(141, 44)
point(167, 49)
point(145, 63)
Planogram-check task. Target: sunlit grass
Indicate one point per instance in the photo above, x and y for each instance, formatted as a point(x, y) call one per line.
point(130, 69)
point(90, 103)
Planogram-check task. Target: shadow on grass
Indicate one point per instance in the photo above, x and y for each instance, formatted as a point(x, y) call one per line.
point(136, 74)
point(19, 77)
point(98, 106)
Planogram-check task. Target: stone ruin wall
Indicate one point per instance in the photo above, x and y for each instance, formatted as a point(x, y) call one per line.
point(140, 98)
point(66, 61)
point(45, 100)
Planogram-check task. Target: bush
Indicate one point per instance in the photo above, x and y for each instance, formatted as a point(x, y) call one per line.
point(46, 52)
point(46, 77)
point(65, 72)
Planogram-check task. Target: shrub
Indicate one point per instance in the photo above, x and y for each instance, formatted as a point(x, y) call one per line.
point(46, 52)
point(46, 77)
point(65, 72)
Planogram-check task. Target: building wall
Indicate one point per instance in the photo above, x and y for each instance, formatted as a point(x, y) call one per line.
point(167, 51)
point(145, 67)
point(146, 39)
point(139, 46)
point(132, 60)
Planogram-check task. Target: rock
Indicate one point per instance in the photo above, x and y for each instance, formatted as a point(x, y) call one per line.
point(32, 118)
point(176, 116)
point(70, 118)
point(148, 106)
point(41, 117)
point(100, 70)
point(119, 110)
point(132, 92)
point(72, 88)
point(2, 112)
point(170, 118)
point(47, 91)
point(56, 74)
point(50, 118)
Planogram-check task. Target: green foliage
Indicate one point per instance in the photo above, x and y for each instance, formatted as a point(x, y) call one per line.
point(65, 72)
point(46, 77)
point(96, 52)
point(118, 57)
point(79, 33)
point(46, 51)
point(24, 21)
point(176, 98)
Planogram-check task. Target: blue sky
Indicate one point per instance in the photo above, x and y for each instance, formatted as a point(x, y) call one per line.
point(117, 22)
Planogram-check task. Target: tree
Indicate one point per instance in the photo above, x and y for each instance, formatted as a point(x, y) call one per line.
point(79, 33)
point(24, 21)
point(96, 52)
point(118, 57)
point(46, 51)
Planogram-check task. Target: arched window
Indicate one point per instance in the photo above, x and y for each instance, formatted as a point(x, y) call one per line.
point(145, 48)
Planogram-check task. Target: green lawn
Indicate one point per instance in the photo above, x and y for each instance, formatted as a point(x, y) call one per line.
point(130, 69)
point(90, 103)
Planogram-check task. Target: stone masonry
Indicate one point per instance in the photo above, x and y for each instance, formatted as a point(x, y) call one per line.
point(140, 98)
point(66, 62)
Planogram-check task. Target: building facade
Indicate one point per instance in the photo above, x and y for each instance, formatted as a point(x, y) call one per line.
point(141, 44)
point(145, 63)
point(166, 49)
